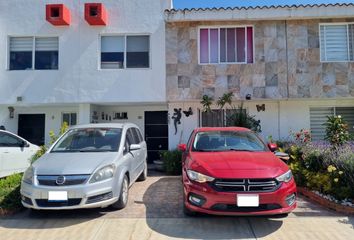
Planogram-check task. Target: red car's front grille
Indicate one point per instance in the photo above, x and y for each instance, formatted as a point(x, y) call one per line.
point(245, 185)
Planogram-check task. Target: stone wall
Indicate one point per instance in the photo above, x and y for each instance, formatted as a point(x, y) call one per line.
point(287, 64)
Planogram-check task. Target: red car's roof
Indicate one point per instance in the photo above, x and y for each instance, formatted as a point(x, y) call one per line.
point(209, 129)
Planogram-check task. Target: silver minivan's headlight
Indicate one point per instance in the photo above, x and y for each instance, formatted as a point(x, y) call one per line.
point(286, 177)
point(198, 177)
point(28, 176)
point(104, 173)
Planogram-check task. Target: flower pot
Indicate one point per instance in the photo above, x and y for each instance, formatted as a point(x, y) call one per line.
point(159, 165)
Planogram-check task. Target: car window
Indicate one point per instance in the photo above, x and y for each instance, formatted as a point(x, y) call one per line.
point(228, 141)
point(134, 136)
point(137, 135)
point(89, 140)
point(7, 140)
point(189, 141)
point(128, 141)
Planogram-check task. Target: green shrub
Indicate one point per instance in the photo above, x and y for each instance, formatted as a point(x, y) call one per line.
point(53, 138)
point(10, 197)
point(241, 118)
point(321, 167)
point(337, 130)
point(172, 161)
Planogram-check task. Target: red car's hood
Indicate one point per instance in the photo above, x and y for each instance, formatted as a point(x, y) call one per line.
point(237, 164)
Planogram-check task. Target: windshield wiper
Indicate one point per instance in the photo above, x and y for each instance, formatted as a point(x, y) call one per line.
point(240, 150)
point(96, 150)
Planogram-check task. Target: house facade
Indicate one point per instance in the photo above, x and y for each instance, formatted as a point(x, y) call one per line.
point(83, 62)
point(290, 66)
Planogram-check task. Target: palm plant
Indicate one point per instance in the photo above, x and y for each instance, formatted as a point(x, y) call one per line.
point(225, 99)
point(206, 102)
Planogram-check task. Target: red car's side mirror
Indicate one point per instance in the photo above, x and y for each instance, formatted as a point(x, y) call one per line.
point(182, 147)
point(272, 147)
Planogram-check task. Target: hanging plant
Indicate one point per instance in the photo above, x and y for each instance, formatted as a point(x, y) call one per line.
point(225, 99)
point(206, 102)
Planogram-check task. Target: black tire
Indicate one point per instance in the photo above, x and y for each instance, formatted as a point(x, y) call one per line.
point(282, 215)
point(123, 196)
point(188, 212)
point(143, 175)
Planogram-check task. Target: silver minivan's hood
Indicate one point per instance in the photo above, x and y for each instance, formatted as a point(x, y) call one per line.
point(72, 163)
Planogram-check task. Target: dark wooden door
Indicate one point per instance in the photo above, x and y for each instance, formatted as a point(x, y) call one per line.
point(156, 133)
point(32, 127)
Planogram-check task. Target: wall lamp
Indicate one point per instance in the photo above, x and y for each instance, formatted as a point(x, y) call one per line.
point(11, 112)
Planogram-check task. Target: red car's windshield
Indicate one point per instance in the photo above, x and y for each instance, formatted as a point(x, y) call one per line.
point(227, 141)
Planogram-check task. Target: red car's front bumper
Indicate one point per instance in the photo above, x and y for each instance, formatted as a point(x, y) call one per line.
point(271, 203)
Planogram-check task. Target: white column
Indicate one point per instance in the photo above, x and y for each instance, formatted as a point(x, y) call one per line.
point(84, 113)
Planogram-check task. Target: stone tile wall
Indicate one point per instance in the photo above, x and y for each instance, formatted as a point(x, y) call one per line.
point(287, 64)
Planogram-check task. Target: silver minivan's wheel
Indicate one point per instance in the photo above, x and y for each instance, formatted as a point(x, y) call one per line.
point(123, 196)
point(143, 175)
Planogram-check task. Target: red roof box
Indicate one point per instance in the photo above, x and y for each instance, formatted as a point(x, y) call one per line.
point(96, 14)
point(58, 14)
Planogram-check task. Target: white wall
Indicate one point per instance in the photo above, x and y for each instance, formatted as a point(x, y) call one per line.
point(79, 79)
point(53, 117)
point(135, 113)
point(278, 119)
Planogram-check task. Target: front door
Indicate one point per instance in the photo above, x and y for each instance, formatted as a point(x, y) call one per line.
point(31, 127)
point(156, 133)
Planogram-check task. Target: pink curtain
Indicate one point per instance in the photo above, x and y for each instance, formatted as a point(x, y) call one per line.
point(249, 45)
point(204, 46)
point(240, 35)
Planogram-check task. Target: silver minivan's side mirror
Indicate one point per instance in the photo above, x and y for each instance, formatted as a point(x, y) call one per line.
point(134, 147)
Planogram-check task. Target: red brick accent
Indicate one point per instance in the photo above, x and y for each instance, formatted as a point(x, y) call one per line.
point(324, 202)
point(100, 18)
point(58, 14)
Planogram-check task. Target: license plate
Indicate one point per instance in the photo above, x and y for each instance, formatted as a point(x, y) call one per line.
point(248, 200)
point(57, 196)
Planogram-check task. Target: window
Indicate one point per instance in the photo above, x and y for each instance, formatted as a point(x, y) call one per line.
point(337, 42)
point(6, 140)
point(218, 117)
point(90, 140)
point(214, 118)
point(137, 135)
point(38, 53)
point(69, 118)
point(125, 52)
point(318, 116)
point(226, 45)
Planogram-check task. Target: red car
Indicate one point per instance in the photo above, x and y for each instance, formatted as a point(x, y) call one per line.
point(230, 171)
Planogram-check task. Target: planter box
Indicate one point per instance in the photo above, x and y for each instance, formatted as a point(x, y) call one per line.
point(324, 202)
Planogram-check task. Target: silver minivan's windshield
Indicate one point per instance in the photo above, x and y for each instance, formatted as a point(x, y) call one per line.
point(89, 140)
point(228, 141)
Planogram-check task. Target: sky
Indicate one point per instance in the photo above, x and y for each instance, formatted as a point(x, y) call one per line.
point(180, 4)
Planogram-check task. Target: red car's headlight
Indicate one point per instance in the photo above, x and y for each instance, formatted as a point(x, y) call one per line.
point(286, 177)
point(198, 177)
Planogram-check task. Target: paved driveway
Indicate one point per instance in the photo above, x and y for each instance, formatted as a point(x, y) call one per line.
point(155, 212)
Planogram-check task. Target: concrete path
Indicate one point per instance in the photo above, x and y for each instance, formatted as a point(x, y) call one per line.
point(155, 212)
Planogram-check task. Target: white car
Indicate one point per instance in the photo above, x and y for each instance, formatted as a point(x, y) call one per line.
point(90, 166)
point(15, 153)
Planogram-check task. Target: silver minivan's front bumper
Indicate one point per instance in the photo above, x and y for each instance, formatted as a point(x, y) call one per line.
point(36, 196)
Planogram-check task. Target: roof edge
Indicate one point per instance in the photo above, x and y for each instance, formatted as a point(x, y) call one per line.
point(337, 10)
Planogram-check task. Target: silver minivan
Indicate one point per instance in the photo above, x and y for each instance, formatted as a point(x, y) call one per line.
point(89, 166)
